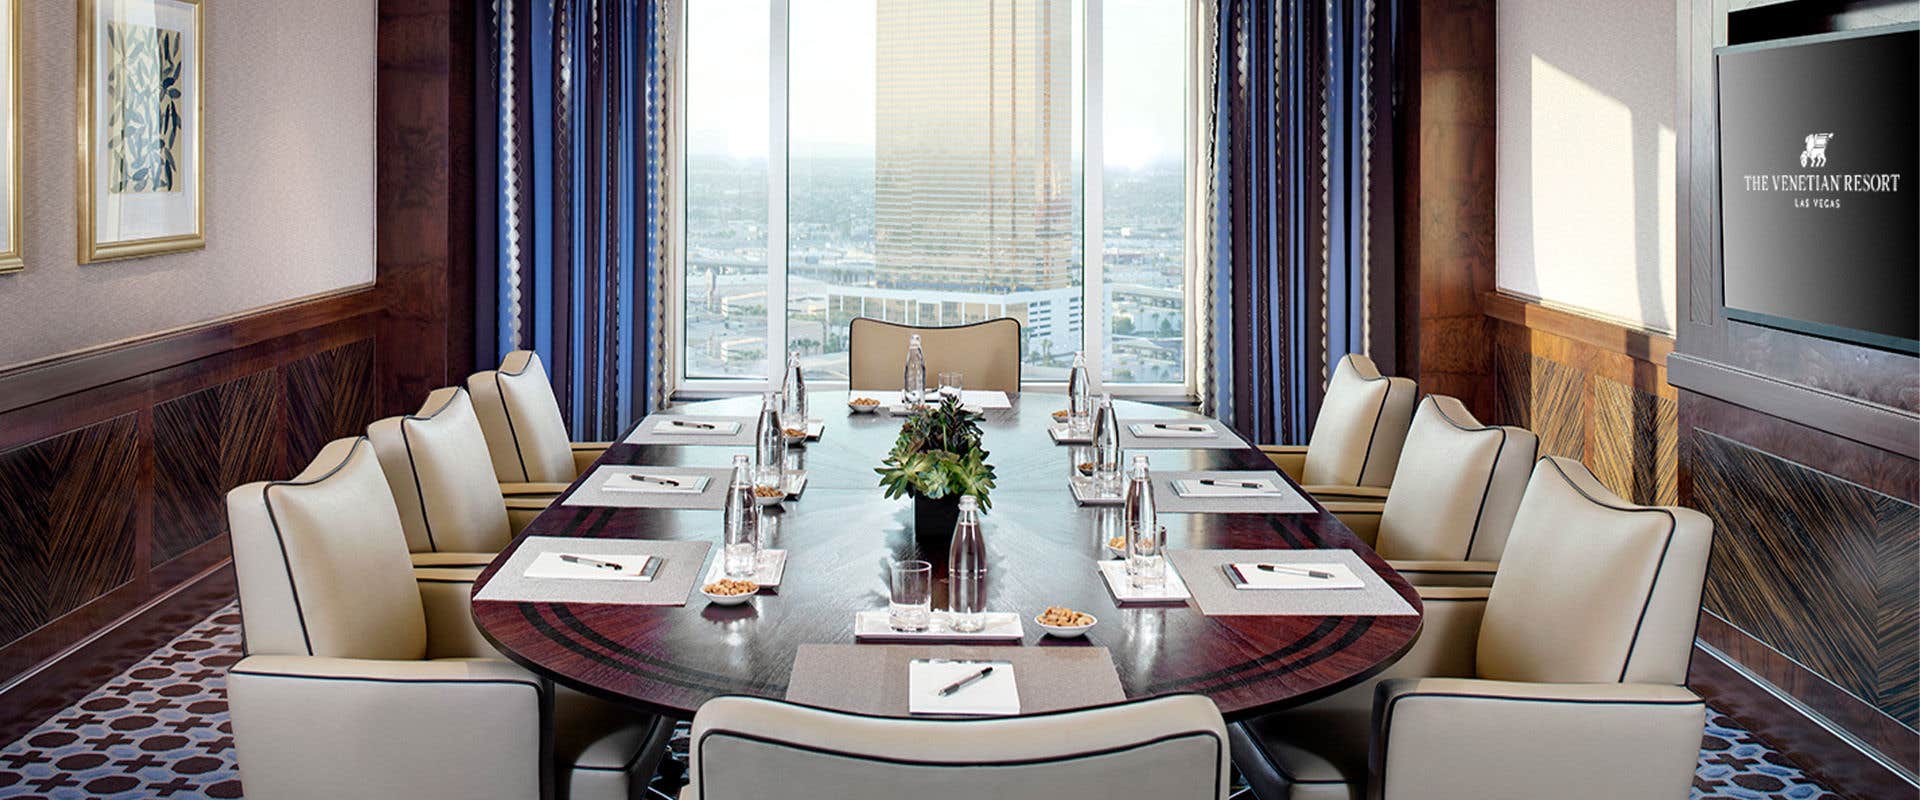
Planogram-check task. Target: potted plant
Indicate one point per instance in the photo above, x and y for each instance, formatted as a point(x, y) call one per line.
point(938, 460)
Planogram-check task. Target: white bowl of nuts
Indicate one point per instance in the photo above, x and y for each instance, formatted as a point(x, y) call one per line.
point(863, 405)
point(1065, 623)
point(729, 592)
point(768, 495)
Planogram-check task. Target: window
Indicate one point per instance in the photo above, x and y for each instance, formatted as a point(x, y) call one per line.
point(924, 161)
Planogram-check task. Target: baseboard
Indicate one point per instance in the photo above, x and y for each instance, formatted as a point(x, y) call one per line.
point(1839, 760)
point(37, 694)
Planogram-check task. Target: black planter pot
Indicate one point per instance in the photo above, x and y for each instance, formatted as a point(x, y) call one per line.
point(934, 518)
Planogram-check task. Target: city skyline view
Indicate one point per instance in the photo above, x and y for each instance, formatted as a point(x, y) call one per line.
point(972, 161)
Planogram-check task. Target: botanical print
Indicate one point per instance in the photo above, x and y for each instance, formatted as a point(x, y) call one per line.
point(143, 108)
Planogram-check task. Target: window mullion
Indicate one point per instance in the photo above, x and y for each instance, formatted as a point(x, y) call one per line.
point(1093, 208)
point(777, 68)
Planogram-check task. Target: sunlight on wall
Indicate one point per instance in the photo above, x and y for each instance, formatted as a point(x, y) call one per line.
point(1585, 173)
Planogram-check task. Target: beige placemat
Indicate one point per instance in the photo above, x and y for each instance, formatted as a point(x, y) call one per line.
point(593, 491)
point(1223, 438)
point(872, 678)
point(680, 567)
point(649, 431)
point(1215, 596)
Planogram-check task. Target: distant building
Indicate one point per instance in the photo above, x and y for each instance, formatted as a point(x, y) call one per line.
point(973, 152)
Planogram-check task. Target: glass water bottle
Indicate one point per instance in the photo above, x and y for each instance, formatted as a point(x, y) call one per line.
point(1106, 448)
point(1079, 397)
point(770, 446)
point(793, 395)
point(1144, 561)
point(741, 541)
point(967, 570)
point(914, 382)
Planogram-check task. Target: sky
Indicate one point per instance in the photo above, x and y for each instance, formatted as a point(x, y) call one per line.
point(831, 88)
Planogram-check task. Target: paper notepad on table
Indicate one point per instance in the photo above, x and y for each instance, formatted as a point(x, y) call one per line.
point(678, 483)
point(994, 695)
point(694, 427)
point(633, 567)
point(1249, 575)
point(1226, 487)
point(1173, 430)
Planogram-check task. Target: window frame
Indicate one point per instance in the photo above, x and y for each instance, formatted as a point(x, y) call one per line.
point(1197, 311)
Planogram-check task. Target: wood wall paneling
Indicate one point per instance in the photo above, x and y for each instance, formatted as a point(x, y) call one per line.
point(70, 520)
point(1592, 389)
point(1446, 208)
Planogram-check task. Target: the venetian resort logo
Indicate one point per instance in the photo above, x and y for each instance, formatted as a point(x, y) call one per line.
point(1816, 153)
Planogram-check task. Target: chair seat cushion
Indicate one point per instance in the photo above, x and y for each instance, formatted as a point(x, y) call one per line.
point(602, 750)
point(1310, 753)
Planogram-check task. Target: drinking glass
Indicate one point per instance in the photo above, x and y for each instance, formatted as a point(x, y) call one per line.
point(950, 385)
point(1146, 565)
point(912, 603)
point(1080, 465)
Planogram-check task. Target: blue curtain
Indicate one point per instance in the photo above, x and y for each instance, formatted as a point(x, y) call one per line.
point(576, 121)
point(1296, 170)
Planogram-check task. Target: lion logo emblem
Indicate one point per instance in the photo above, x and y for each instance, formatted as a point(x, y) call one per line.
point(1816, 153)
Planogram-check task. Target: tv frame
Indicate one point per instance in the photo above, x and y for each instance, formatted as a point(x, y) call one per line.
point(1879, 341)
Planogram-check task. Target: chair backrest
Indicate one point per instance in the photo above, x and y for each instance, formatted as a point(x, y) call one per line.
point(442, 478)
point(987, 354)
point(1593, 589)
point(322, 563)
point(526, 435)
point(1458, 486)
point(1362, 424)
point(1166, 747)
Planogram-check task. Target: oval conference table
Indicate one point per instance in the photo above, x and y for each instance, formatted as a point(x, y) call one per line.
point(841, 534)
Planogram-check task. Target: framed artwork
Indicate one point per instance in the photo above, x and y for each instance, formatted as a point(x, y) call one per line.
point(140, 91)
point(10, 136)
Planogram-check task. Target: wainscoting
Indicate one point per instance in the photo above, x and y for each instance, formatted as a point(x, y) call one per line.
point(115, 462)
point(1593, 390)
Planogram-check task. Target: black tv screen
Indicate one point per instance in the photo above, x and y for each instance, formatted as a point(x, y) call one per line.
point(1819, 146)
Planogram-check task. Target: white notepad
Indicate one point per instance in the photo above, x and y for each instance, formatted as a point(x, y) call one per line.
point(1193, 487)
point(633, 567)
point(872, 626)
point(696, 427)
point(632, 482)
point(1175, 430)
point(991, 696)
point(1249, 576)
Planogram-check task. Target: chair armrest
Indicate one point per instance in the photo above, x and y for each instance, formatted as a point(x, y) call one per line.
point(446, 595)
point(585, 453)
point(334, 727)
point(1326, 492)
point(1447, 573)
point(1290, 458)
point(538, 490)
point(1479, 738)
point(1449, 636)
point(1362, 518)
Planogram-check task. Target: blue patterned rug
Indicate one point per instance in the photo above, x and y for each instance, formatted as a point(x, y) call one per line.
point(160, 730)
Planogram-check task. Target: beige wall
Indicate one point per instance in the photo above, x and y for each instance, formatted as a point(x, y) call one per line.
point(1584, 179)
point(289, 181)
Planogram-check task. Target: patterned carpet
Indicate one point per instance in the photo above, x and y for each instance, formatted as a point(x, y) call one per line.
point(160, 730)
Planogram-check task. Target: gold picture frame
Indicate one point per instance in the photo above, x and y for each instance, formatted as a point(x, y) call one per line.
point(142, 111)
point(10, 257)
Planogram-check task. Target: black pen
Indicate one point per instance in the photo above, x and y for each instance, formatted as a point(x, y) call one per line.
point(590, 562)
point(678, 423)
point(1188, 428)
point(651, 479)
point(1240, 484)
point(1309, 573)
point(965, 682)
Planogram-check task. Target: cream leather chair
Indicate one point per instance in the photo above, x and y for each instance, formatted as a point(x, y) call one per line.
point(351, 688)
point(526, 433)
point(750, 749)
point(1354, 449)
point(440, 472)
point(1565, 679)
point(1458, 487)
point(986, 353)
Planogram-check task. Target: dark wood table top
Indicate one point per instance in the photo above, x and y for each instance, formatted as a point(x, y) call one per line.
point(842, 533)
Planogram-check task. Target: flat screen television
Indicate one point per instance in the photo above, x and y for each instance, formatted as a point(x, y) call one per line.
point(1819, 148)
